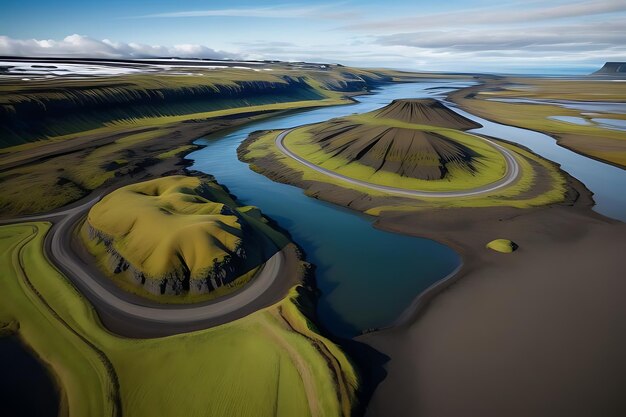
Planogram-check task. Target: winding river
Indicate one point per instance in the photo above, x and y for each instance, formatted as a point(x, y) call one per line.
point(366, 276)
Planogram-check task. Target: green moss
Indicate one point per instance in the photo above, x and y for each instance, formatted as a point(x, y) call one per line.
point(80, 369)
point(181, 227)
point(270, 363)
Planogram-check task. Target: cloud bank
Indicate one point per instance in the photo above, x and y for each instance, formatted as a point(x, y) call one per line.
point(86, 47)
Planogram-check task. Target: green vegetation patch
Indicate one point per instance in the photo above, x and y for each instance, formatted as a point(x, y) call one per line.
point(270, 363)
point(175, 152)
point(502, 245)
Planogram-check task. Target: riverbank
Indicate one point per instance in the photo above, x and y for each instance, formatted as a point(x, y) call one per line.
point(536, 332)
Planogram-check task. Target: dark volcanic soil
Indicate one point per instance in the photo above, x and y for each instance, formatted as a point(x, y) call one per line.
point(539, 332)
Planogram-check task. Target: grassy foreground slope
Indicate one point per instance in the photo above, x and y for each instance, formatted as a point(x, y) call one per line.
point(179, 235)
point(586, 137)
point(270, 363)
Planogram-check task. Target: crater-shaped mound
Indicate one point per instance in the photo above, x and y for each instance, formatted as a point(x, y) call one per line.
point(406, 152)
point(403, 138)
point(426, 111)
point(178, 234)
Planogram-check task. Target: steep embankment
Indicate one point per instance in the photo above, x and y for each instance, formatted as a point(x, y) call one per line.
point(179, 235)
point(34, 109)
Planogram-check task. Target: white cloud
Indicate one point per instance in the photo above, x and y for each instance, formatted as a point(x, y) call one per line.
point(83, 46)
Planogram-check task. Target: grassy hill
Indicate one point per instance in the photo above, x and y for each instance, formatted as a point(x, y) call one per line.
point(179, 236)
point(410, 144)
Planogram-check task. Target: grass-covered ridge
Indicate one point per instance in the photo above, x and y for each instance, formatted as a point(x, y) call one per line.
point(38, 109)
point(270, 363)
point(179, 235)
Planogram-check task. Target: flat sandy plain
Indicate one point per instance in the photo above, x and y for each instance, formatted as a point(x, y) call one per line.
point(539, 332)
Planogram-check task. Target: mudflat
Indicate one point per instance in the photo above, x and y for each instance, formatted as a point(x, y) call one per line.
point(538, 332)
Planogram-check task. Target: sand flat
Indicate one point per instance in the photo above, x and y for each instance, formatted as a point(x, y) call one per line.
point(540, 332)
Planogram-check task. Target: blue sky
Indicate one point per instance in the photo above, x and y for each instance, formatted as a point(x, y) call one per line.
point(473, 35)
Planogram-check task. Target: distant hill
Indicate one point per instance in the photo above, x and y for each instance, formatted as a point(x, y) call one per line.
point(612, 68)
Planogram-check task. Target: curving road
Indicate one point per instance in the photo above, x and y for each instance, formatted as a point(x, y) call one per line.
point(130, 315)
point(511, 174)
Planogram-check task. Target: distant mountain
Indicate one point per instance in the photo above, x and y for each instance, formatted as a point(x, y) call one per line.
point(610, 68)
